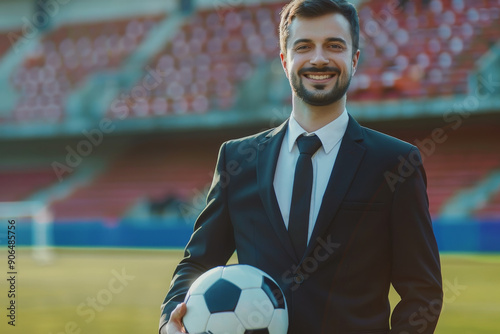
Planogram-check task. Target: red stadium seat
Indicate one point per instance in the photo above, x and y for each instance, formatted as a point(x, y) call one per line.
point(452, 34)
point(66, 57)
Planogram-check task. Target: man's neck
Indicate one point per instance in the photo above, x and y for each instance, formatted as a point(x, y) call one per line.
point(312, 118)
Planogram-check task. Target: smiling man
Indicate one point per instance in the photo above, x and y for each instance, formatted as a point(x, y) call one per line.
point(312, 206)
point(313, 58)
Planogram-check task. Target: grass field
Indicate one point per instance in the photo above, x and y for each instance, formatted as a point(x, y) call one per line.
point(120, 292)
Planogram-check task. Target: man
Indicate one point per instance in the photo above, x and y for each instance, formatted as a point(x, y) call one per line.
point(367, 223)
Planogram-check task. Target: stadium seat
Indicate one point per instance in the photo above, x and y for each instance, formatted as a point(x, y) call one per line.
point(65, 57)
point(443, 40)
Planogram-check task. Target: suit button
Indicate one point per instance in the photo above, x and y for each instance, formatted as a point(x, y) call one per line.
point(298, 278)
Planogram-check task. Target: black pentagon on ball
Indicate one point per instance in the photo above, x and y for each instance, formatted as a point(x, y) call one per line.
point(257, 331)
point(222, 296)
point(274, 293)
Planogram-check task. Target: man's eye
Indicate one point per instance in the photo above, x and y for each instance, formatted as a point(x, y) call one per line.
point(302, 47)
point(336, 46)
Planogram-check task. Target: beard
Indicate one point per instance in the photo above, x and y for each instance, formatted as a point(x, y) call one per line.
point(320, 97)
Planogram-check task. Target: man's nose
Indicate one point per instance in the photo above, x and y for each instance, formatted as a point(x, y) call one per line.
point(319, 58)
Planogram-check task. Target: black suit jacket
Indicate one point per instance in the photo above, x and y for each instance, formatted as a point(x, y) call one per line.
point(373, 229)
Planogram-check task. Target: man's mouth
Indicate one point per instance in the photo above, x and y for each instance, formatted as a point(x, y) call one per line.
point(320, 78)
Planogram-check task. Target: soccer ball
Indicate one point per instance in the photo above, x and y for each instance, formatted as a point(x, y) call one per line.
point(235, 299)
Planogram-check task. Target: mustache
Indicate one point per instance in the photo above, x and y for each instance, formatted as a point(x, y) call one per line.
point(319, 70)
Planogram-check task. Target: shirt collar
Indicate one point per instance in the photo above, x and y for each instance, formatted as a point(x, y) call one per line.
point(330, 134)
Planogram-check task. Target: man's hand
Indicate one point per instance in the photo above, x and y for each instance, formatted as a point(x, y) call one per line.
point(174, 325)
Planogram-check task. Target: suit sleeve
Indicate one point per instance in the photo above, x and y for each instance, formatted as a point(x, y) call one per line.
point(211, 244)
point(416, 272)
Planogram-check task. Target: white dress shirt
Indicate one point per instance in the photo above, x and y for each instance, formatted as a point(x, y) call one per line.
point(322, 161)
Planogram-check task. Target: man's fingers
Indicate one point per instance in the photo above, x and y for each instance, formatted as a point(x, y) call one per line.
point(174, 325)
point(178, 312)
point(183, 309)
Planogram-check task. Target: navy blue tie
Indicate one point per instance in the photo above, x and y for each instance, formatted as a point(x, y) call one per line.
point(298, 223)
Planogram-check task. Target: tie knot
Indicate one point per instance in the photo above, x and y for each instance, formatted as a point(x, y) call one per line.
point(308, 144)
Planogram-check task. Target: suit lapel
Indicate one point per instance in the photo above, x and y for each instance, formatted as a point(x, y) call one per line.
point(347, 162)
point(267, 159)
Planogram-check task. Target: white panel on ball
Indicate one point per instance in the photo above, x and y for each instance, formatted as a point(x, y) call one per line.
point(224, 323)
point(279, 322)
point(243, 277)
point(205, 281)
point(197, 314)
point(254, 309)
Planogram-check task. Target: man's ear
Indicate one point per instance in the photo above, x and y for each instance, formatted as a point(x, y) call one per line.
point(284, 64)
point(355, 59)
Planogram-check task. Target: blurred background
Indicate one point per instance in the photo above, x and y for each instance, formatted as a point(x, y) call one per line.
point(112, 114)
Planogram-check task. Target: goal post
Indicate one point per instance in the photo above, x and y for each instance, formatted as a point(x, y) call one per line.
point(41, 219)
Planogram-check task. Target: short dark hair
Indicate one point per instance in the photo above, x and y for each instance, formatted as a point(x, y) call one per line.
point(316, 8)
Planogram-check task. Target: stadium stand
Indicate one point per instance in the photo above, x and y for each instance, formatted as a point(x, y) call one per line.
point(18, 184)
point(458, 162)
point(151, 171)
point(210, 55)
point(66, 57)
point(455, 169)
point(422, 51)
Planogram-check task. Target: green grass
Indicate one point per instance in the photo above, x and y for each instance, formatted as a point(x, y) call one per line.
point(53, 299)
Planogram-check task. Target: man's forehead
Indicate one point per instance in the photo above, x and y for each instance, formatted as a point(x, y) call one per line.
point(320, 28)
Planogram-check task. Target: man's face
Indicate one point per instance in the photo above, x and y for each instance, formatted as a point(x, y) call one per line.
point(319, 63)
